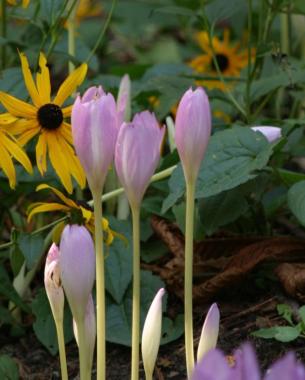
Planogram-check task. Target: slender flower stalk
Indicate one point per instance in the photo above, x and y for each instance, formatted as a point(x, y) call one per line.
point(136, 157)
point(94, 130)
point(56, 298)
point(193, 129)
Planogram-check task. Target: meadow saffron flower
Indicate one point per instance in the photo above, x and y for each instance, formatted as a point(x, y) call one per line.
point(193, 130)
point(47, 119)
point(209, 333)
point(231, 59)
point(137, 154)
point(151, 334)
point(77, 265)
point(214, 366)
point(271, 133)
point(94, 129)
point(78, 212)
point(9, 148)
point(52, 283)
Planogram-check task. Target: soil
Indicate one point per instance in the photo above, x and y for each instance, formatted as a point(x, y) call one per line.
point(242, 312)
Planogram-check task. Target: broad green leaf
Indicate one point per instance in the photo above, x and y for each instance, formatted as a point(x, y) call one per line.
point(233, 157)
point(285, 311)
point(172, 330)
point(8, 368)
point(296, 201)
point(32, 248)
point(267, 333)
point(301, 312)
point(118, 263)
point(44, 326)
point(286, 333)
point(118, 318)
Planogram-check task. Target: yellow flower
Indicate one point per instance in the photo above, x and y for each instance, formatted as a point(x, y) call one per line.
point(9, 148)
point(47, 118)
point(230, 58)
point(78, 212)
point(86, 9)
point(25, 3)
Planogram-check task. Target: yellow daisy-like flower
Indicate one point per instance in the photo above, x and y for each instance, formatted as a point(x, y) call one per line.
point(24, 3)
point(47, 118)
point(78, 212)
point(231, 59)
point(9, 148)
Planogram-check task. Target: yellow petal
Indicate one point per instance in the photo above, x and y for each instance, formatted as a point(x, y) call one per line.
point(17, 107)
point(7, 118)
point(25, 3)
point(67, 111)
point(29, 82)
point(69, 202)
point(66, 132)
point(70, 84)
point(87, 214)
point(17, 152)
point(41, 154)
point(6, 163)
point(43, 80)
point(27, 136)
point(46, 207)
point(75, 167)
point(20, 126)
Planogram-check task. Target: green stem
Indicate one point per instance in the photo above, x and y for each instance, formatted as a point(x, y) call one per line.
point(71, 36)
point(100, 287)
point(3, 33)
point(135, 294)
point(82, 350)
point(62, 349)
point(102, 32)
point(188, 277)
point(248, 85)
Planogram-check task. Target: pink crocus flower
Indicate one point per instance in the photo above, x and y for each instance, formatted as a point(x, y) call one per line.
point(52, 283)
point(193, 130)
point(77, 264)
point(209, 333)
point(137, 154)
point(94, 121)
point(271, 133)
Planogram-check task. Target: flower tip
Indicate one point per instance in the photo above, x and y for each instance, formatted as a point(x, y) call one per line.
point(271, 133)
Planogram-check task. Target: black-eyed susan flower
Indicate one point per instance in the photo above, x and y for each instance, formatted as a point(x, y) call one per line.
point(9, 149)
point(24, 3)
point(48, 119)
point(231, 59)
point(79, 212)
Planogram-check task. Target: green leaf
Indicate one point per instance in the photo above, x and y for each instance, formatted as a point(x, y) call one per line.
point(118, 263)
point(285, 311)
point(301, 312)
point(233, 157)
point(44, 326)
point(290, 178)
point(8, 368)
point(32, 248)
point(118, 316)
point(296, 201)
point(172, 330)
point(267, 333)
point(286, 333)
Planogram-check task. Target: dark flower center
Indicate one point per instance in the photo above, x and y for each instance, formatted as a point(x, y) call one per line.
point(50, 116)
point(222, 61)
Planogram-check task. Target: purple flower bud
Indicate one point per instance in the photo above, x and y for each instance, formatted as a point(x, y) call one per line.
point(137, 154)
point(209, 333)
point(52, 283)
point(94, 128)
point(193, 130)
point(271, 133)
point(77, 264)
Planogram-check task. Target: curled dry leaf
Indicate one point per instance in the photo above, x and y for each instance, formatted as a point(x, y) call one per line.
point(292, 277)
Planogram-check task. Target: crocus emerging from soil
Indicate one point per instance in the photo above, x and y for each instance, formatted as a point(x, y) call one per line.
point(137, 154)
point(151, 335)
point(94, 128)
point(55, 293)
point(214, 366)
point(271, 133)
point(209, 333)
point(124, 100)
point(193, 130)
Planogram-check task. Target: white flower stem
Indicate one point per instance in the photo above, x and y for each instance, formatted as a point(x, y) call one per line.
point(135, 294)
point(62, 349)
point(82, 350)
point(188, 277)
point(100, 288)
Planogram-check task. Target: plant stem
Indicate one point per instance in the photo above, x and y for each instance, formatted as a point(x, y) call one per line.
point(188, 277)
point(248, 85)
point(71, 36)
point(100, 287)
point(82, 350)
point(3, 33)
point(135, 293)
point(62, 349)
